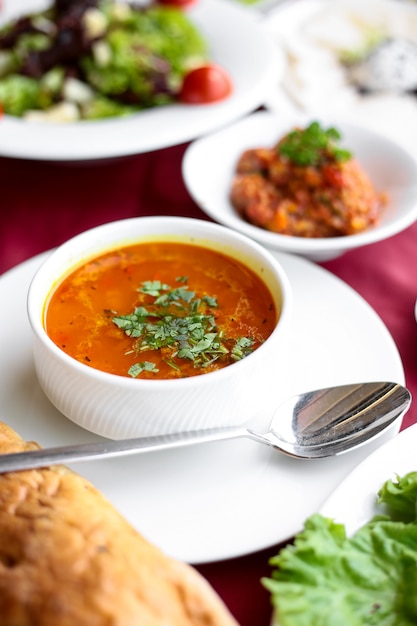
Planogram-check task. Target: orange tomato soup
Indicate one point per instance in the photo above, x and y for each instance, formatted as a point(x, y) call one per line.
point(160, 310)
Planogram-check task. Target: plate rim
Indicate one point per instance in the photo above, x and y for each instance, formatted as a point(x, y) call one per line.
point(365, 496)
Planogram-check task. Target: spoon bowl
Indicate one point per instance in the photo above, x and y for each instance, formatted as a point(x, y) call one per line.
point(334, 420)
point(311, 425)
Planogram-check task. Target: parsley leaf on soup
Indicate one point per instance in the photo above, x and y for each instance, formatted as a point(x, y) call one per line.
point(328, 579)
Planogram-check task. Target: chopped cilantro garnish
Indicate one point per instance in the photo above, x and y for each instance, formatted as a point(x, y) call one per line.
point(313, 145)
point(242, 348)
point(182, 323)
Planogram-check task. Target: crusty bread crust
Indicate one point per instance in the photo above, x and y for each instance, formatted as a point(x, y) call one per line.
point(68, 558)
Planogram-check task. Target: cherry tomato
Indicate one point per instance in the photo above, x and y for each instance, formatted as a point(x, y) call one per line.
point(205, 84)
point(180, 4)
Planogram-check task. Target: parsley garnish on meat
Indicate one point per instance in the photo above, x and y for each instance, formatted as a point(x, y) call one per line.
point(313, 145)
point(180, 324)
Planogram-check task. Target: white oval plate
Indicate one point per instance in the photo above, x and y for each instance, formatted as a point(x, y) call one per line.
point(226, 499)
point(246, 50)
point(354, 502)
point(209, 165)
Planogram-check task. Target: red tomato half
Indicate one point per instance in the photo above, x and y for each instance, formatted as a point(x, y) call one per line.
point(209, 83)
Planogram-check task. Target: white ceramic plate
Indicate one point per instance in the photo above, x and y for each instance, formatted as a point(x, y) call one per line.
point(209, 165)
point(224, 499)
point(247, 51)
point(395, 457)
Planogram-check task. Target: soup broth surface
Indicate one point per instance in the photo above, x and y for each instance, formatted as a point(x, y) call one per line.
point(160, 310)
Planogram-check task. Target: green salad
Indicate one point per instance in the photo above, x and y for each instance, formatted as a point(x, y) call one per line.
point(328, 579)
point(90, 59)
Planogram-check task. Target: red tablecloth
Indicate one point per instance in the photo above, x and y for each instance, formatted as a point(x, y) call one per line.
point(43, 204)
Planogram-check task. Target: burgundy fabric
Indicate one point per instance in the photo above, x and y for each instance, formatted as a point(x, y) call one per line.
point(43, 204)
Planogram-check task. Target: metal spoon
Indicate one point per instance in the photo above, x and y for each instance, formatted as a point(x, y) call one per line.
point(311, 425)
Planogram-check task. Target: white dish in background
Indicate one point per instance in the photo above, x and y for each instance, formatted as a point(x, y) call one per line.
point(311, 34)
point(247, 51)
point(391, 168)
point(225, 499)
point(395, 457)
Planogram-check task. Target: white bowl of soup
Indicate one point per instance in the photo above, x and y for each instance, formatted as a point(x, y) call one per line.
point(158, 325)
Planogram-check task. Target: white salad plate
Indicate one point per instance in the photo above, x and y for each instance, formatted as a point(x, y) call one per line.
point(394, 458)
point(390, 167)
point(225, 499)
point(247, 51)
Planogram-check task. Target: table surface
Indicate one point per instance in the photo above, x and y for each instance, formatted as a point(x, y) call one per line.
point(43, 204)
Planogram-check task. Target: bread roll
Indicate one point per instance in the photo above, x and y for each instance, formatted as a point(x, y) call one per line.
point(68, 558)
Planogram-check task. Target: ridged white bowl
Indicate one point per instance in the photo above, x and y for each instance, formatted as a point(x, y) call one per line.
point(118, 407)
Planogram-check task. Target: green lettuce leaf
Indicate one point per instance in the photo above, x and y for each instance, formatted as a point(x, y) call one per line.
point(145, 53)
point(401, 497)
point(328, 579)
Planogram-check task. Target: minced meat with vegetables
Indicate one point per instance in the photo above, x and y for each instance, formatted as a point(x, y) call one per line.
point(306, 186)
point(89, 59)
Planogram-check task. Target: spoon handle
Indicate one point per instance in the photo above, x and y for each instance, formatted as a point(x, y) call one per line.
point(108, 448)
